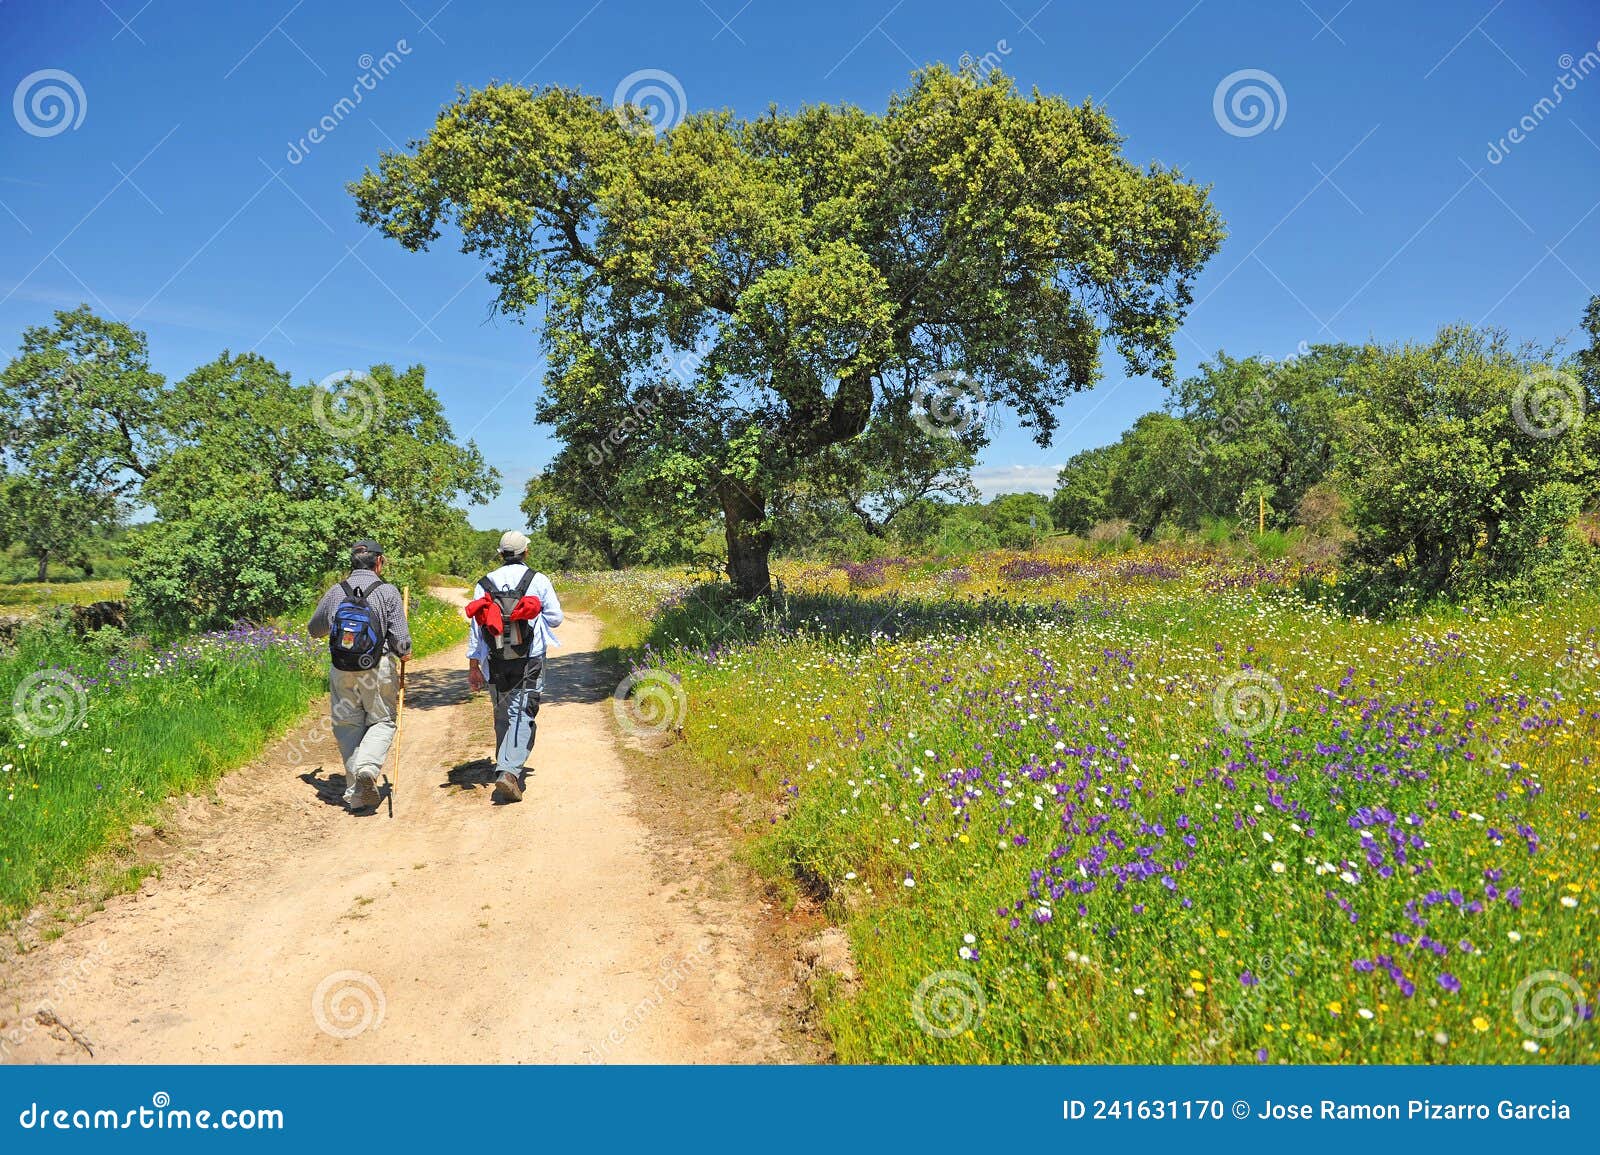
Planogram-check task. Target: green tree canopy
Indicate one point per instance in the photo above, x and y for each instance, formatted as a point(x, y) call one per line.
point(574, 506)
point(822, 265)
point(1152, 484)
point(1466, 464)
point(79, 426)
point(264, 483)
point(1260, 427)
point(1019, 520)
point(1082, 497)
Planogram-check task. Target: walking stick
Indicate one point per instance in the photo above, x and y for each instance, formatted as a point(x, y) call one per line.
point(400, 705)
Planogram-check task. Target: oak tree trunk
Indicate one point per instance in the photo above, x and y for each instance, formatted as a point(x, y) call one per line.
point(744, 515)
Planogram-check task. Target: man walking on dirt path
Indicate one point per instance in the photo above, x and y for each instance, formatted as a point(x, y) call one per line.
point(364, 620)
point(511, 622)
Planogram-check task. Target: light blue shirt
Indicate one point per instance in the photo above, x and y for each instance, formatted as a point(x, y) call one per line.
point(550, 616)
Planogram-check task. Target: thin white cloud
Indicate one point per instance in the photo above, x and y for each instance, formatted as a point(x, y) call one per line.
point(993, 480)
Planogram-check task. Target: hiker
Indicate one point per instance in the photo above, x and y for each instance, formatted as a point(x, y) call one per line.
point(511, 619)
point(364, 620)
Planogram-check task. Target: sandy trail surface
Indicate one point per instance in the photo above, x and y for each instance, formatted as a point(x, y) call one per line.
point(283, 929)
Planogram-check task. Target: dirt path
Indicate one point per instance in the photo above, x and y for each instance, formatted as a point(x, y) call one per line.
point(283, 929)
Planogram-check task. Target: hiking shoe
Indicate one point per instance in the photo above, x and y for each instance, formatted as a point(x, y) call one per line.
point(507, 788)
point(363, 794)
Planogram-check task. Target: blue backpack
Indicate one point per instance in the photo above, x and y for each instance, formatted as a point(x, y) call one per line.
point(355, 639)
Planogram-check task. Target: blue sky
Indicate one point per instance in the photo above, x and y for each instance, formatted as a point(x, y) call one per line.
point(1366, 206)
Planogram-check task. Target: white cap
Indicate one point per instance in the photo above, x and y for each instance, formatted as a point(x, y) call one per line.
point(513, 541)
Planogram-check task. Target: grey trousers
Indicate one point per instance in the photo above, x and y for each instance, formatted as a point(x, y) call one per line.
point(515, 709)
point(363, 709)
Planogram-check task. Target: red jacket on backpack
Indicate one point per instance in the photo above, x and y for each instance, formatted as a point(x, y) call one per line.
point(486, 612)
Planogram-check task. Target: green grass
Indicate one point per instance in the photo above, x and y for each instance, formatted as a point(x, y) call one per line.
point(1002, 742)
point(109, 730)
point(29, 597)
point(435, 624)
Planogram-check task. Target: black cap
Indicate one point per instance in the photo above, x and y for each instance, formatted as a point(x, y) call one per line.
point(366, 545)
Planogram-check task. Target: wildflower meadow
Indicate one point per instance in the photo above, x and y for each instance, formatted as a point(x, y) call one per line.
point(1162, 806)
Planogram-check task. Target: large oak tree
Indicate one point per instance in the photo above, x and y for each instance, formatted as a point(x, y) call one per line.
point(78, 431)
point(822, 265)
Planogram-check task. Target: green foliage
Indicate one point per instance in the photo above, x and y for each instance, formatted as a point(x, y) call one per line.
point(459, 549)
point(1261, 429)
point(1453, 469)
point(730, 305)
point(1149, 487)
point(1083, 488)
point(1019, 520)
point(1273, 545)
point(575, 506)
point(263, 486)
point(919, 521)
point(236, 556)
point(77, 429)
point(965, 532)
point(1237, 431)
point(52, 520)
point(1454, 485)
point(257, 484)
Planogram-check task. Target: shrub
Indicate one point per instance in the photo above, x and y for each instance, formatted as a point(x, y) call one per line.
point(1466, 463)
point(963, 534)
point(1112, 536)
point(1272, 545)
point(232, 560)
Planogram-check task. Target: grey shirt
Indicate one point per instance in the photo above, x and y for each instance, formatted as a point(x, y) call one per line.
point(385, 604)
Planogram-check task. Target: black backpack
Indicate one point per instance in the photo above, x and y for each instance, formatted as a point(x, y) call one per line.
point(515, 640)
point(356, 637)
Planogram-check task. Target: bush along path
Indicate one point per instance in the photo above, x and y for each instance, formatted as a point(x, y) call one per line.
point(280, 928)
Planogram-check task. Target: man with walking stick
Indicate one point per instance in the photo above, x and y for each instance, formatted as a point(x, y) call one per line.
point(511, 622)
point(369, 640)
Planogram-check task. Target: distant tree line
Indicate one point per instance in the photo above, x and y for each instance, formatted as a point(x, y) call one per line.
point(1458, 465)
point(252, 485)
